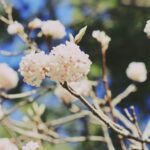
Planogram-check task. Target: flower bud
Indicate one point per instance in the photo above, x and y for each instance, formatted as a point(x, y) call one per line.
point(136, 71)
point(35, 23)
point(102, 38)
point(15, 28)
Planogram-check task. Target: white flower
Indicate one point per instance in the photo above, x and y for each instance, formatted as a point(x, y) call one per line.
point(35, 23)
point(101, 37)
point(147, 28)
point(136, 71)
point(30, 146)
point(8, 77)
point(33, 68)
point(82, 87)
point(6, 144)
point(15, 28)
point(54, 29)
point(68, 63)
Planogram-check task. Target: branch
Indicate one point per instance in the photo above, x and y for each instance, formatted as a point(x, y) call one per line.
point(22, 103)
point(131, 88)
point(36, 135)
point(99, 114)
point(67, 119)
point(9, 20)
point(18, 95)
point(105, 80)
point(7, 53)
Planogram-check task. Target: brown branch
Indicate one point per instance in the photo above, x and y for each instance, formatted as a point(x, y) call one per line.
point(105, 81)
point(100, 115)
point(108, 94)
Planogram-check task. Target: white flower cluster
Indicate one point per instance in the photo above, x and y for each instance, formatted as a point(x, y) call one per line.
point(101, 37)
point(147, 28)
point(64, 63)
point(136, 71)
point(33, 68)
point(15, 27)
point(68, 63)
point(31, 146)
point(8, 77)
point(6, 144)
point(51, 28)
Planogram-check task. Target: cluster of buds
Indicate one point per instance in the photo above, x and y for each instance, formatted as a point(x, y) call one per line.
point(49, 28)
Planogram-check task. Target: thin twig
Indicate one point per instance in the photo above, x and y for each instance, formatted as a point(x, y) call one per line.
point(22, 103)
point(131, 88)
point(146, 132)
point(7, 53)
point(105, 80)
point(22, 35)
point(136, 125)
point(36, 135)
point(18, 95)
point(105, 129)
point(67, 119)
point(107, 138)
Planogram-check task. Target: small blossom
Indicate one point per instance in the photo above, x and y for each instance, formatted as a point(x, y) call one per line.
point(54, 29)
point(147, 28)
point(15, 28)
point(136, 71)
point(8, 77)
point(6, 144)
point(101, 37)
point(33, 68)
point(31, 146)
point(35, 23)
point(68, 63)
